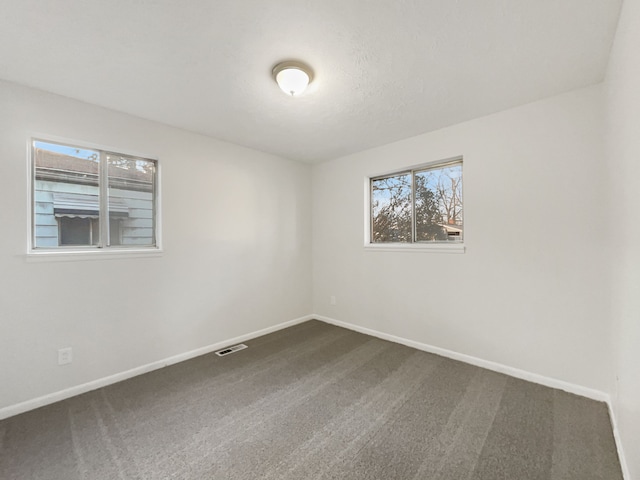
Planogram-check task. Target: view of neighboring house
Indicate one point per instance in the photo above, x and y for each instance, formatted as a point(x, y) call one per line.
point(67, 199)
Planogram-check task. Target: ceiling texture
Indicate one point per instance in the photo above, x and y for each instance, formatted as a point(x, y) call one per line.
point(384, 69)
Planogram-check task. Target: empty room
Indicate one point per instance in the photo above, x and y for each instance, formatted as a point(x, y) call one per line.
point(320, 239)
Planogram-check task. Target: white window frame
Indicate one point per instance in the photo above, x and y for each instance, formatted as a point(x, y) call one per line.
point(90, 252)
point(434, 247)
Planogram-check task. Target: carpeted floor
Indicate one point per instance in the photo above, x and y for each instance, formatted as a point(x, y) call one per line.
point(315, 401)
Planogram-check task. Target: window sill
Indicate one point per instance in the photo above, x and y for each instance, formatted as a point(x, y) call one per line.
point(82, 255)
point(416, 247)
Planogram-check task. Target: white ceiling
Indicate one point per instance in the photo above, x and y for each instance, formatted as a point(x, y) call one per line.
point(384, 69)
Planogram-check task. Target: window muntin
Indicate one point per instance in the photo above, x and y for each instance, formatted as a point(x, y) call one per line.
point(88, 198)
point(420, 205)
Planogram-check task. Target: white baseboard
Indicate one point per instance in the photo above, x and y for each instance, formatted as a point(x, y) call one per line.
point(38, 402)
point(616, 435)
point(479, 362)
point(497, 367)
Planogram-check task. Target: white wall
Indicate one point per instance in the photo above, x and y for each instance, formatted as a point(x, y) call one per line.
point(623, 155)
point(236, 233)
point(531, 290)
point(551, 238)
point(535, 290)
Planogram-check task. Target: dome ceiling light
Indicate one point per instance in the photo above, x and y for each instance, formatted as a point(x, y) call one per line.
point(292, 77)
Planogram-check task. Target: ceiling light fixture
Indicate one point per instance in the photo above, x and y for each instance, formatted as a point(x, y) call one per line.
point(292, 76)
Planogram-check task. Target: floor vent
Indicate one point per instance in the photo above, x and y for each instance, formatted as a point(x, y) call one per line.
point(228, 350)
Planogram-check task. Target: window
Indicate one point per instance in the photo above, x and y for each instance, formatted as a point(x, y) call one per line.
point(86, 198)
point(84, 231)
point(420, 205)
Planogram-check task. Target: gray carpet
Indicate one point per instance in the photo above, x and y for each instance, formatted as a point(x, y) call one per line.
point(315, 401)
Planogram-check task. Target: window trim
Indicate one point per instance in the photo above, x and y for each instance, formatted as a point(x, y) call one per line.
point(435, 247)
point(89, 252)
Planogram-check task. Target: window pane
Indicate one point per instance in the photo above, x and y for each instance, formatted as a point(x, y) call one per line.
point(391, 209)
point(439, 204)
point(131, 200)
point(75, 231)
point(66, 195)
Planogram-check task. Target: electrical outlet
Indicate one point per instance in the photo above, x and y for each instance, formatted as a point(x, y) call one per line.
point(333, 300)
point(65, 356)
